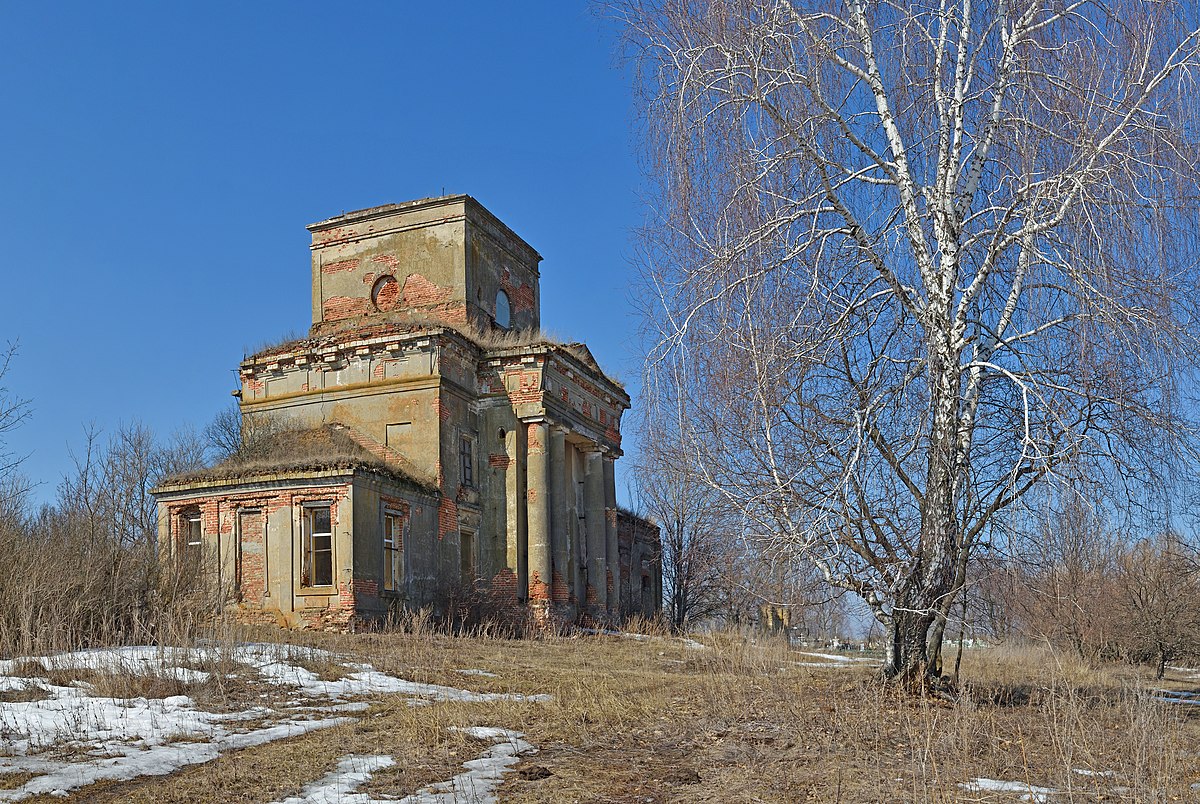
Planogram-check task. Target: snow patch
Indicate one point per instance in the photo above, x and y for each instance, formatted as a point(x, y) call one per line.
point(483, 775)
point(1190, 672)
point(131, 761)
point(1029, 792)
point(837, 657)
point(687, 642)
point(365, 680)
point(477, 784)
point(118, 739)
point(1173, 696)
point(339, 786)
point(474, 672)
point(135, 660)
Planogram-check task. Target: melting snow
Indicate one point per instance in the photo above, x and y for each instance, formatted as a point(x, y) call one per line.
point(1030, 792)
point(837, 657)
point(473, 672)
point(139, 660)
point(482, 777)
point(365, 680)
point(1172, 696)
point(476, 785)
point(339, 786)
point(122, 738)
point(70, 716)
point(153, 758)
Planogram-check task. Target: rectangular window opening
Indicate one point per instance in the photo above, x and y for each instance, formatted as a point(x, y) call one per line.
point(467, 458)
point(192, 532)
point(394, 524)
point(317, 533)
point(249, 523)
point(467, 557)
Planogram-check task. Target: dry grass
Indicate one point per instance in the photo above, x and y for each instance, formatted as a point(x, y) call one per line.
point(11, 781)
point(289, 340)
point(57, 676)
point(291, 447)
point(656, 721)
point(103, 592)
point(323, 667)
point(403, 323)
point(25, 694)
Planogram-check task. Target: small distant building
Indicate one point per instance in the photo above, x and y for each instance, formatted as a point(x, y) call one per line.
point(424, 444)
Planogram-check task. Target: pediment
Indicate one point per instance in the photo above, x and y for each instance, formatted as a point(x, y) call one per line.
point(584, 355)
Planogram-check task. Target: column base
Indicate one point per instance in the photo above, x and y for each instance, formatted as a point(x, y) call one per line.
point(541, 615)
point(595, 617)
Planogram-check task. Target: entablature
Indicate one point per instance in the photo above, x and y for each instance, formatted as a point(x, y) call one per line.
point(381, 357)
point(548, 382)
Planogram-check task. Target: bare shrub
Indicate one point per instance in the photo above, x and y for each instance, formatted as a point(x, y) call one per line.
point(1156, 596)
point(84, 571)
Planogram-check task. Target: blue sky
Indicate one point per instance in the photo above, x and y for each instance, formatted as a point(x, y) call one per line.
point(161, 160)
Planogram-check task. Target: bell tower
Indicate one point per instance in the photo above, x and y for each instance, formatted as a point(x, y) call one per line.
point(438, 260)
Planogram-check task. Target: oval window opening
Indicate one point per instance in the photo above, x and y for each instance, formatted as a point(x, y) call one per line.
point(503, 311)
point(386, 293)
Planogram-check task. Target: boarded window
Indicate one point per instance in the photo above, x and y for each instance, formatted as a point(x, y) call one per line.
point(397, 435)
point(251, 564)
point(394, 524)
point(467, 558)
point(317, 533)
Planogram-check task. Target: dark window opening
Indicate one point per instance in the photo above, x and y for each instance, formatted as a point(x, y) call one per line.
point(503, 310)
point(466, 456)
point(193, 535)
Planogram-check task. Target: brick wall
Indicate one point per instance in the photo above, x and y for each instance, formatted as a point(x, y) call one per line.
point(251, 562)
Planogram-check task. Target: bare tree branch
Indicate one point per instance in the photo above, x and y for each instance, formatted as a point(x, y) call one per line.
point(919, 259)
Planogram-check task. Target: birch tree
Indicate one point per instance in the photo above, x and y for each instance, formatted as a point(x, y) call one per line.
point(923, 258)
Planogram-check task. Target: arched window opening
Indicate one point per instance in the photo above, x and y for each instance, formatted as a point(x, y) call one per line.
point(503, 310)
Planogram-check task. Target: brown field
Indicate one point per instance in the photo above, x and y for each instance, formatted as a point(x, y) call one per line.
point(742, 720)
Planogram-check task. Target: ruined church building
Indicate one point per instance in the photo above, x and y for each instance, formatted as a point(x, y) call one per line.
point(425, 444)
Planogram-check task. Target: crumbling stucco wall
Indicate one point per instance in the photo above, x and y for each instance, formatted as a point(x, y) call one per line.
point(254, 527)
